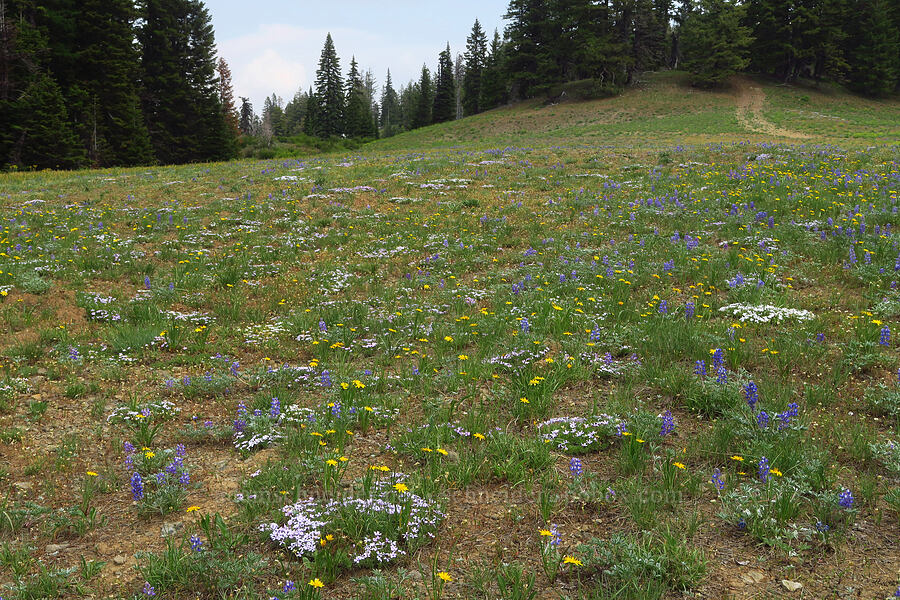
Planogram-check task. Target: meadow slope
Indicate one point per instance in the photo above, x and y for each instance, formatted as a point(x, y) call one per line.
point(643, 347)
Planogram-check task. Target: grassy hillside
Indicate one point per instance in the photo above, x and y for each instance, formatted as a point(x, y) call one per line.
point(586, 355)
point(662, 109)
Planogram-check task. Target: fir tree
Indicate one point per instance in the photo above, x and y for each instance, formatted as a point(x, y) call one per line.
point(329, 92)
point(530, 62)
point(226, 97)
point(357, 113)
point(476, 59)
point(445, 93)
point(875, 58)
point(715, 42)
point(311, 119)
point(181, 101)
point(493, 78)
point(423, 101)
point(294, 112)
point(390, 108)
point(246, 123)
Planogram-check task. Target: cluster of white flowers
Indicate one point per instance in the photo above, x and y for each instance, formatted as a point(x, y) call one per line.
point(765, 313)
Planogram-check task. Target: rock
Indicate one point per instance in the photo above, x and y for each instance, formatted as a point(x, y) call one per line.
point(55, 548)
point(36, 397)
point(170, 529)
point(753, 576)
point(119, 559)
point(104, 549)
point(414, 576)
point(23, 485)
point(452, 456)
point(791, 586)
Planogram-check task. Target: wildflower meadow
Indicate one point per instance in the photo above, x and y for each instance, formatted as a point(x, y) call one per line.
point(512, 372)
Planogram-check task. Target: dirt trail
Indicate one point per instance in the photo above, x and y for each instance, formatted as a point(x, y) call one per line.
point(750, 100)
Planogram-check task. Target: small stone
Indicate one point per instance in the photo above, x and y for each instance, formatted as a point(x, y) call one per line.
point(104, 549)
point(55, 548)
point(170, 529)
point(36, 397)
point(791, 586)
point(23, 485)
point(414, 576)
point(119, 559)
point(753, 576)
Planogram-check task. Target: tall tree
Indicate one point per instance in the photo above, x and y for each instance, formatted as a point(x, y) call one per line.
point(311, 120)
point(714, 41)
point(294, 111)
point(181, 100)
point(476, 60)
point(493, 78)
point(330, 92)
point(875, 57)
point(246, 123)
point(37, 131)
point(390, 108)
point(529, 62)
point(226, 97)
point(423, 101)
point(358, 111)
point(445, 92)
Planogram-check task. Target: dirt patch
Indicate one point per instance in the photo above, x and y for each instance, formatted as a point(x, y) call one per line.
point(750, 100)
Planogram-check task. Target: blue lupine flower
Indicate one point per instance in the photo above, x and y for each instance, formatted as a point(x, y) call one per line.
point(718, 359)
point(524, 325)
point(846, 499)
point(288, 587)
point(763, 469)
point(716, 479)
point(721, 376)
point(885, 339)
point(147, 281)
point(762, 419)
point(689, 311)
point(751, 393)
point(148, 589)
point(575, 467)
point(700, 368)
point(275, 410)
point(137, 486)
point(668, 423)
point(325, 379)
point(196, 543)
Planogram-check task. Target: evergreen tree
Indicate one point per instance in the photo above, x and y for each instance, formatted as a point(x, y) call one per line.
point(493, 78)
point(390, 108)
point(358, 112)
point(246, 123)
point(476, 61)
point(530, 64)
point(329, 92)
point(273, 115)
point(181, 102)
point(226, 97)
point(311, 119)
point(294, 112)
point(876, 57)
point(715, 42)
point(370, 85)
point(444, 108)
point(422, 110)
point(37, 132)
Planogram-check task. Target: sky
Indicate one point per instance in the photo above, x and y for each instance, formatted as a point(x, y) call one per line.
point(274, 45)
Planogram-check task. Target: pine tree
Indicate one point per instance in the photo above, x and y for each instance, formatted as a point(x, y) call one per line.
point(226, 97)
point(715, 42)
point(875, 58)
point(357, 113)
point(445, 92)
point(423, 101)
point(330, 92)
point(311, 119)
point(181, 101)
point(370, 85)
point(476, 60)
point(37, 131)
point(493, 78)
point(390, 108)
point(294, 112)
point(530, 64)
point(246, 123)
point(273, 115)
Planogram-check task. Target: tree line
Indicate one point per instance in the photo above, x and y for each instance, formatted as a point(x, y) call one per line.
point(112, 83)
point(128, 82)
